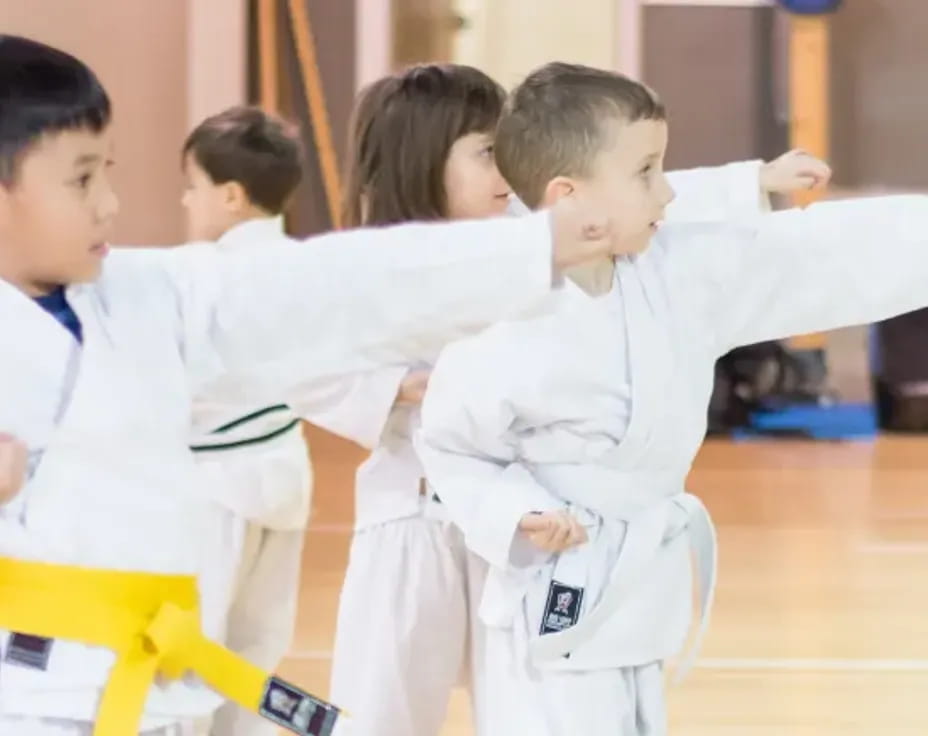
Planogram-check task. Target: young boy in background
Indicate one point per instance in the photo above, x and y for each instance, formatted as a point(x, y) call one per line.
point(242, 167)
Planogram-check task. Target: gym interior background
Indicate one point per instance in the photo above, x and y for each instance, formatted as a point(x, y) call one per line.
point(824, 544)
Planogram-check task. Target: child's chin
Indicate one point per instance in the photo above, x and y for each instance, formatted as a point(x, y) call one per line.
point(89, 271)
point(633, 246)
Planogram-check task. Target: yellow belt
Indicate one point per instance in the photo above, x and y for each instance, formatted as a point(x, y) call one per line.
point(152, 623)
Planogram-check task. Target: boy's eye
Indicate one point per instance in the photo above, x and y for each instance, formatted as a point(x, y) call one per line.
point(646, 170)
point(83, 181)
point(487, 151)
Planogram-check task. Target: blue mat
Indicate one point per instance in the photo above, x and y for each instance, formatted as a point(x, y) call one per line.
point(837, 422)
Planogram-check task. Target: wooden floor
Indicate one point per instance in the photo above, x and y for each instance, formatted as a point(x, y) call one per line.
point(821, 619)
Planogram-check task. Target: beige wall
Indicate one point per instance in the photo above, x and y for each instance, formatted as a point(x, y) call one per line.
point(217, 31)
point(140, 49)
point(509, 38)
point(373, 47)
point(879, 108)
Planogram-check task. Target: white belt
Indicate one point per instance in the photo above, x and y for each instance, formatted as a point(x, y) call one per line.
point(646, 533)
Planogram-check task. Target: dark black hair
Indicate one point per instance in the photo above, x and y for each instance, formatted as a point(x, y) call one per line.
point(43, 90)
point(247, 145)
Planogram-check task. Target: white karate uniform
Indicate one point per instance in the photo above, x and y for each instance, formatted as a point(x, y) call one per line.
point(112, 481)
point(403, 632)
point(600, 409)
point(407, 629)
point(256, 473)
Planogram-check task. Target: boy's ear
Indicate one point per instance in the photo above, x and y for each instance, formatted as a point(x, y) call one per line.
point(558, 187)
point(234, 196)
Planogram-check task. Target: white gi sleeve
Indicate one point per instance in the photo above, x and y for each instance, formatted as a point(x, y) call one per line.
point(717, 193)
point(355, 406)
point(807, 270)
point(468, 449)
point(357, 300)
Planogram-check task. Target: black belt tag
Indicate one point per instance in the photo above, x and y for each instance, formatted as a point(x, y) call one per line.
point(29, 651)
point(297, 711)
point(562, 609)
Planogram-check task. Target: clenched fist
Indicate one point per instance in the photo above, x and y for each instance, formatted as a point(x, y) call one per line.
point(794, 171)
point(552, 531)
point(582, 231)
point(413, 386)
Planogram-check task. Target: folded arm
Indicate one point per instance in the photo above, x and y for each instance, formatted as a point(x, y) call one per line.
point(469, 449)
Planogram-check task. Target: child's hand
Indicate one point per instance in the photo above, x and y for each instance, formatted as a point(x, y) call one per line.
point(552, 531)
point(793, 171)
point(412, 389)
point(13, 457)
point(583, 231)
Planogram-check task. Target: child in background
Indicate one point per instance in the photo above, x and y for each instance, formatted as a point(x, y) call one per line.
point(242, 167)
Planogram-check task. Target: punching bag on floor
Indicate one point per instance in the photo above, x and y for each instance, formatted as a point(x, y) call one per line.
point(899, 365)
point(751, 378)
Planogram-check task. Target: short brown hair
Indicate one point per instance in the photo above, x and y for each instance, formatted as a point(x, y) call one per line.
point(557, 121)
point(251, 147)
point(402, 130)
